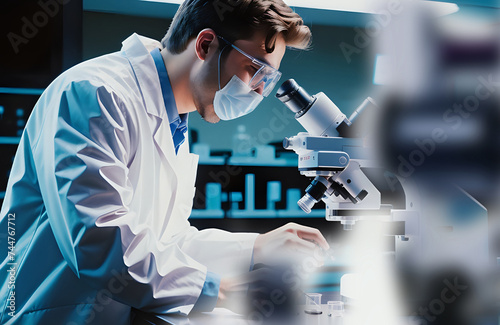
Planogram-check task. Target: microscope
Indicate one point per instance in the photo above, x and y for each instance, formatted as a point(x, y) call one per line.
point(340, 154)
point(336, 151)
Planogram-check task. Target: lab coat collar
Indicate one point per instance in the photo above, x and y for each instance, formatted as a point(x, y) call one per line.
point(178, 123)
point(137, 49)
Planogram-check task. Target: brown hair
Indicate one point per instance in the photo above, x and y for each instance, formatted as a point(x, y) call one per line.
point(237, 19)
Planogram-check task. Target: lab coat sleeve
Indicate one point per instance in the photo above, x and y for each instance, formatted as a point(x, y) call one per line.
point(225, 253)
point(83, 148)
point(209, 294)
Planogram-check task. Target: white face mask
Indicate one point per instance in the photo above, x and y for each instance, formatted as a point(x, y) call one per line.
point(236, 99)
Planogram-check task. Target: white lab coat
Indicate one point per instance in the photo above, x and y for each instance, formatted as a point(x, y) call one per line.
point(102, 202)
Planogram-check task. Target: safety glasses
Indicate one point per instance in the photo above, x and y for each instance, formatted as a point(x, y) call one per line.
point(266, 75)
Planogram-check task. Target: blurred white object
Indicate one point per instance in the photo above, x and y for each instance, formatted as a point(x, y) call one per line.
point(313, 302)
point(335, 308)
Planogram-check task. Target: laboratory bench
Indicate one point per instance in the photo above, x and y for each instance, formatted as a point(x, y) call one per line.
point(222, 316)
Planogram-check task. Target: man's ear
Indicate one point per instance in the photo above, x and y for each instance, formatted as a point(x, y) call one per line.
point(206, 41)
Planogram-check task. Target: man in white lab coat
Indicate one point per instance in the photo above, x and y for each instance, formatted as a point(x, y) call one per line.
point(102, 184)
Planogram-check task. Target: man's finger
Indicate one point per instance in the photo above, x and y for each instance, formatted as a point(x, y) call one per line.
point(306, 245)
point(314, 235)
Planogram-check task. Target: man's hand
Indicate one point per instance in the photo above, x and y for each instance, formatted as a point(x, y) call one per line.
point(291, 239)
point(274, 247)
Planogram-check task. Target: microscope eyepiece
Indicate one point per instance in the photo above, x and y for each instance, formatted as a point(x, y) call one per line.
point(321, 117)
point(294, 96)
point(317, 114)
